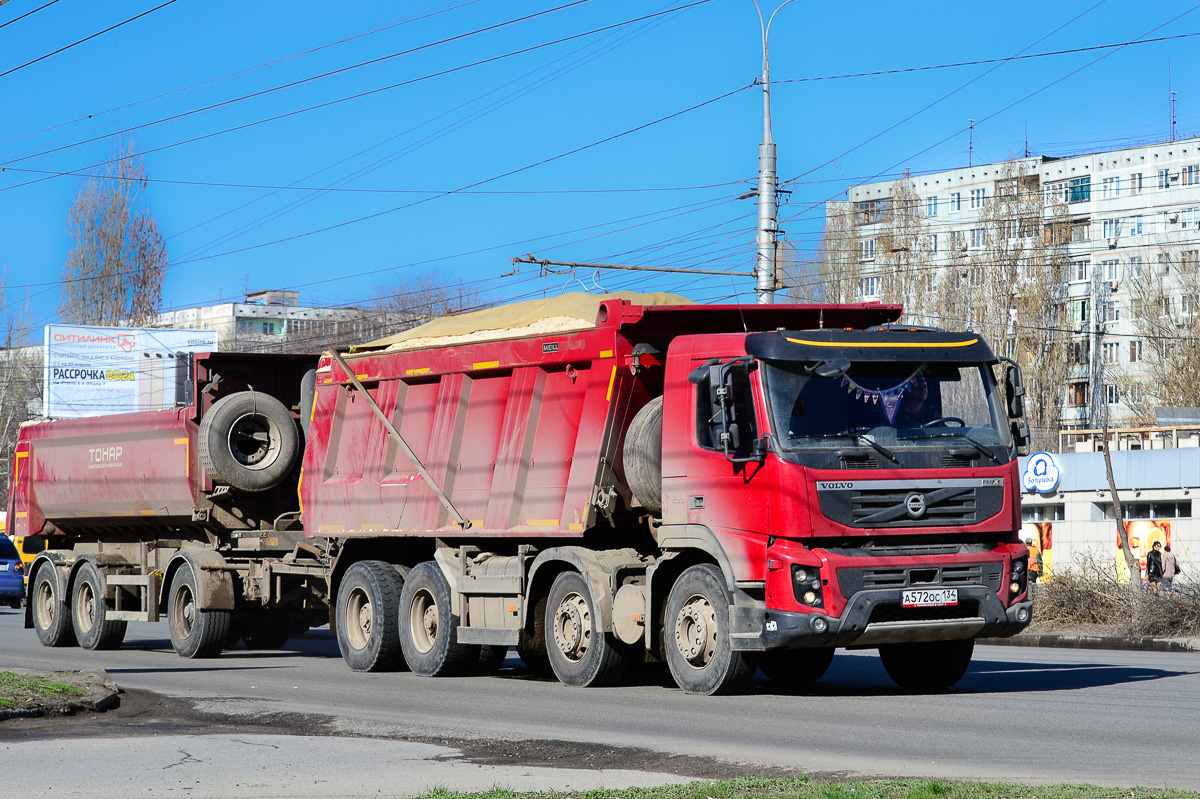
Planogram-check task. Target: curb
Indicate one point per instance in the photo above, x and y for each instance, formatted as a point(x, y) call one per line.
point(1133, 643)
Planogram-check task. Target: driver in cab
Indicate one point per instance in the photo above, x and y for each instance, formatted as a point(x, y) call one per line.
point(916, 409)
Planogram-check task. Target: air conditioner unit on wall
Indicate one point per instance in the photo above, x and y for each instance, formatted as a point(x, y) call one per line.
point(1112, 241)
point(1112, 285)
point(1173, 216)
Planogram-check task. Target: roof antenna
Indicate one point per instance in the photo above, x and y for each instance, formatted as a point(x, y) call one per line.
point(738, 295)
point(971, 144)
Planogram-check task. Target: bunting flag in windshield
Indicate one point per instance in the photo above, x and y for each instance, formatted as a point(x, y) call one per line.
point(890, 397)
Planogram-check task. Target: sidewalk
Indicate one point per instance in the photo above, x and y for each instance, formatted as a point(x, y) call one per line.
point(1140, 643)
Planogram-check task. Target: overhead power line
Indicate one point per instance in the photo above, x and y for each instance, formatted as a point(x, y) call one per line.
point(84, 39)
point(27, 13)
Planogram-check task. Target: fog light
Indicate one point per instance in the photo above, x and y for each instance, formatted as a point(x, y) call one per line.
point(1023, 614)
point(809, 597)
point(801, 575)
point(816, 584)
point(1015, 587)
point(819, 624)
point(1018, 566)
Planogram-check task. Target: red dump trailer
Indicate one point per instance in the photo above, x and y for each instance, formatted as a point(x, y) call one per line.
point(593, 480)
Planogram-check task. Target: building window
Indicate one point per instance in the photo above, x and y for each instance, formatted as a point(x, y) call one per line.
point(1081, 190)
point(1077, 394)
point(1164, 178)
point(1057, 192)
point(1187, 219)
point(977, 197)
point(1187, 305)
point(1164, 263)
point(1112, 310)
point(1043, 513)
point(1111, 396)
point(1135, 266)
point(933, 242)
point(931, 206)
point(1135, 226)
point(1190, 259)
point(1112, 269)
point(1081, 231)
point(1164, 222)
point(1135, 183)
point(1151, 510)
point(1080, 270)
point(866, 249)
point(871, 211)
point(1110, 187)
point(1077, 352)
point(1134, 351)
point(868, 286)
point(268, 328)
point(955, 202)
point(978, 237)
point(1190, 175)
point(1110, 351)
point(958, 240)
point(1081, 312)
point(1111, 228)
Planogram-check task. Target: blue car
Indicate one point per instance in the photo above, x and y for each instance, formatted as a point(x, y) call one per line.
point(12, 573)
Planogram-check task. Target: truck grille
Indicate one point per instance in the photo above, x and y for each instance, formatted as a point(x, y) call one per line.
point(884, 504)
point(968, 609)
point(851, 581)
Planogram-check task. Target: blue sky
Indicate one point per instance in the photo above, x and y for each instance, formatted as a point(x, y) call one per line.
point(666, 194)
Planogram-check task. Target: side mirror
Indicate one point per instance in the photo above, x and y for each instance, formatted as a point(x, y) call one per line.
point(1020, 434)
point(1014, 390)
point(834, 367)
point(727, 382)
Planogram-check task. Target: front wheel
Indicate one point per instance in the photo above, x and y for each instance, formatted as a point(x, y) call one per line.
point(428, 630)
point(89, 612)
point(579, 653)
point(195, 631)
point(927, 666)
point(796, 666)
point(51, 616)
point(699, 649)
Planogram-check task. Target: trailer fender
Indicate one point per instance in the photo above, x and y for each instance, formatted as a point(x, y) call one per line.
point(599, 569)
point(59, 561)
point(214, 581)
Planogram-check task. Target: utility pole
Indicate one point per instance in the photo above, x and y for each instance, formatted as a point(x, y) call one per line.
point(765, 267)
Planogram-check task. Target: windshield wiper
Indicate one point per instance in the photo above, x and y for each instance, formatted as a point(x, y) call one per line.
point(956, 434)
point(880, 448)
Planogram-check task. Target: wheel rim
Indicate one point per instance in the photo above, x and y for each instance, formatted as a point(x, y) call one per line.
point(183, 620)
point(423, 621)
point(360, 618)
point(45, 605)
point(85, 607)
point(696, 631)
point(573, 627)
point(254, 441)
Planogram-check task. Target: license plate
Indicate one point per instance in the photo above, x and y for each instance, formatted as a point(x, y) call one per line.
point(929, 597)
point(3, 567)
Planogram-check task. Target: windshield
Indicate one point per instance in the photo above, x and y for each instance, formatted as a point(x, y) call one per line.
point(890, 404)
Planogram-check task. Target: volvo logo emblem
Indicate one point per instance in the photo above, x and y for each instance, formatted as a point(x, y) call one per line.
point(914, 504)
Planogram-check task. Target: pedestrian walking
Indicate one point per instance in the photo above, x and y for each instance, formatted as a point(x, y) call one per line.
point(1154, 567)
point(1170, 569)
point(1035, 560)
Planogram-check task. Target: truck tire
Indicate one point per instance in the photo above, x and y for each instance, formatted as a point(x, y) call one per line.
point(248, 441)
point(642, 456)
point(89, 612)
point(368, 626)
point(195, 632)
point(580, 655)
point(796, 666)
point(927, 666)
point(428, 630)
point(532, 647)
point(696, 631)
point(51, 616)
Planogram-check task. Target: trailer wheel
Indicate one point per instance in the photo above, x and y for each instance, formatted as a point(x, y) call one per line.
point(89, 612)
point(927, 666)
point(642, 456)
point(698, 647)
point(796, 666)
point(51, 616)
point(195, 632)
point(428, 630)
point(248, 441)
point(367, 617)
point(580, 655)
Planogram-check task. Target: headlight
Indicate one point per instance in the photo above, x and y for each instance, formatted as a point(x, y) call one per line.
point(806, 582)
point(800, 575)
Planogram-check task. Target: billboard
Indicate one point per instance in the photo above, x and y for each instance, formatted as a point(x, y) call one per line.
point(95, 371)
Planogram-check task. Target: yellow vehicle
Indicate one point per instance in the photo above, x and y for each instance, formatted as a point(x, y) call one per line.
point(26, 557)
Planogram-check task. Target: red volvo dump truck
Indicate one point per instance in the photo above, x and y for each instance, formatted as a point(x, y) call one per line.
point(596, 481)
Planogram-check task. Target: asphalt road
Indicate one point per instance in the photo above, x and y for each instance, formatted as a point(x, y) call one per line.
point(1021, 714)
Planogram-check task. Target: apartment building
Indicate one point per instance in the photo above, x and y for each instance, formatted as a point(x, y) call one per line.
point(1117, 219)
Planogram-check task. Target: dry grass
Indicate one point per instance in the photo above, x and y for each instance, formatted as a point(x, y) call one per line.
point(1090, 596)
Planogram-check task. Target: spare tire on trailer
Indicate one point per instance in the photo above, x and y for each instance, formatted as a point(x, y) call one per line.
point(248, 441)
point(642, 456)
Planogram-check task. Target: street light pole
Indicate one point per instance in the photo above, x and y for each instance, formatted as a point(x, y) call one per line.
point(765, 267)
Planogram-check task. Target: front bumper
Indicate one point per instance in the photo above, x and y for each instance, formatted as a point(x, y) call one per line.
point(775, 629)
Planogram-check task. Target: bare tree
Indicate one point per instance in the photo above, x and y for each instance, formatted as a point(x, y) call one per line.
point(114, 271)
point(20, 386)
